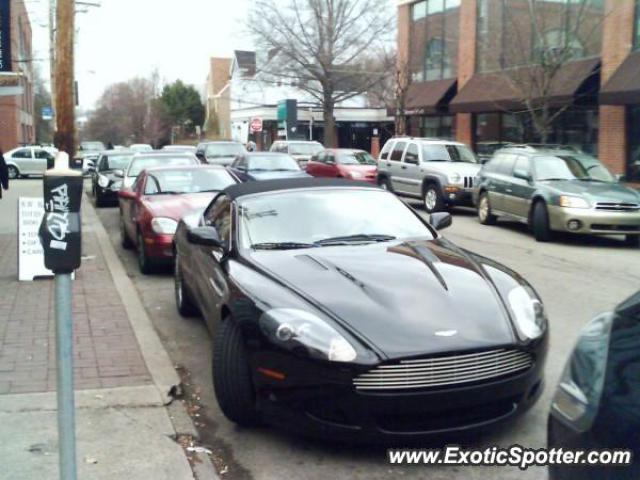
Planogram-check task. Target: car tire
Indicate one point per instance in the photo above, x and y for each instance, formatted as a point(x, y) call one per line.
point(184, 301)
point(632, 241)
point(14, 173)
point(231, 376)
point(125, 241)
point(144, 262)
point(432, 199)
point(385, 184)
point(484, 210)
point(540, 223)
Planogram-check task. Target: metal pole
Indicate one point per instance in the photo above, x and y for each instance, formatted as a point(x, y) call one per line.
point(66, 404)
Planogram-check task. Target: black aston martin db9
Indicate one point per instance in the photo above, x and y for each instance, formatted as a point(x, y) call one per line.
point(336, 310)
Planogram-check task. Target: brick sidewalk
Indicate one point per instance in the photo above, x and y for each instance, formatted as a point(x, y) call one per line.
point(105, 348)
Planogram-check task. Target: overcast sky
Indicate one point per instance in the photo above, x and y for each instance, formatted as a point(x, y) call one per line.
point(128, 38)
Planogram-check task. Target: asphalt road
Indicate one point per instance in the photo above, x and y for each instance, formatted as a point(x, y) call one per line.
point(576, 278)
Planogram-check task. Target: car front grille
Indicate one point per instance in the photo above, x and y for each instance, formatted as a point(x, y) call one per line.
point(444, 371)
point(468, 182)
point(617, 207)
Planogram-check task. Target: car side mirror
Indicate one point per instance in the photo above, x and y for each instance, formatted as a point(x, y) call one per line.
point(118, 173)
point(522, 175)
point(205, 236)
point(440, 220)
point(621, 177)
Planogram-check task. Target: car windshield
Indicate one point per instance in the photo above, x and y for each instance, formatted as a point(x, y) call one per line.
point(304, 148)
point(92, 146)
point(571, 167)
point(448, 153)
point(115, 162)
point(356, 158)
point(192, 180)
point(218, 150)
point(290, 218)
point(273, 162)
point(140, 164)
point(141, 147)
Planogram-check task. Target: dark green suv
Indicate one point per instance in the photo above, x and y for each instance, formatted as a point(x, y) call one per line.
point(556, 190)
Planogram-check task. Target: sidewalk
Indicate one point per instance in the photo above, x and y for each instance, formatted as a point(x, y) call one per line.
point(122, 372)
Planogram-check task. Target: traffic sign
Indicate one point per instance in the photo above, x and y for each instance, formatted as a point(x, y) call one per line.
point(256, 125)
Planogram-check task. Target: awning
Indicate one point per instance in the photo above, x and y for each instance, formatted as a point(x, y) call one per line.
point(496, 91)
point(623, 88)
point(430, 97)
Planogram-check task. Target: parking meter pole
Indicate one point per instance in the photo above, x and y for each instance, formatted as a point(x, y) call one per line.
point(60, 235)
point(66, 403)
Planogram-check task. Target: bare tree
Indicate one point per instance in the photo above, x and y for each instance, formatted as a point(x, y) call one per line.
point(321, 45)
point(539, 38)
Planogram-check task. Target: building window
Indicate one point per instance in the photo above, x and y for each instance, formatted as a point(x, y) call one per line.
point(437, 126)
point(636, 36)
point(434, 39)
point(633, 161)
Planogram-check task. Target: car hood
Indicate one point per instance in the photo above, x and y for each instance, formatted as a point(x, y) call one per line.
point(110, 175)
point(273, 175)
point(177, 206)
point(595, 191)
point(226, 161)
point(364, 169)
point(461, 168)
point(404, 298)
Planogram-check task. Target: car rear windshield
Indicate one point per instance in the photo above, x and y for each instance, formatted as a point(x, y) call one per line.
point(92, 146)
point(356, 158)
point(304, 148)
point(191, 180)
point(114, 162)
point(571, 167)
point(218, 150)
point(448, 153)
point(273, 163)
point(140, 164)
point(292, 216)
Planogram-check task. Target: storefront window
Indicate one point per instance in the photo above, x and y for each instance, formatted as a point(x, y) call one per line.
point(434, 39)
point(633, 165)
point(437, 126)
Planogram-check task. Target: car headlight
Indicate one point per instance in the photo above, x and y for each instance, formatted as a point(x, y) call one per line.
point(356, 175)
point(577, 397)
point(573, 202)
point(302, 332)
point(164, 226)
point(528, 312)
point(103, 181)
point(455, 178)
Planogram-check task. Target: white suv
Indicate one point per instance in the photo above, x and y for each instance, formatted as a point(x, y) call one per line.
point(440, 172)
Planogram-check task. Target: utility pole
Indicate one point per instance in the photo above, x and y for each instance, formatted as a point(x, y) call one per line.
point(52, 58)
point(64, 77)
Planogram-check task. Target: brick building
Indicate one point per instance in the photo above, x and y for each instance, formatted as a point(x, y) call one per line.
point(218, 114)
point(16, 78)
point(463, 56)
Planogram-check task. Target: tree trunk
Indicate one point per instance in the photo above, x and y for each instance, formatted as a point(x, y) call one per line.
point(330, 134)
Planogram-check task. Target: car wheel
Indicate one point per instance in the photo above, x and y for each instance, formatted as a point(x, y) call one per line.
point(632, 241)
point(184, 302)
point(231, 376)
point(484, 210)
point(433, 201)
point(540, 223)
point(143, 260)
point(13, 172)
point(385, 184)
point(125, 241)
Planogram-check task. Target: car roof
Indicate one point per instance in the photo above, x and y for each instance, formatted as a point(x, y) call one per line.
point(538, 152)
point(250, 188)
point(263, 154)
point(209, 142)
point(344, 150)
point(298, 141)
point(437, 141)
point(185, 167)
point(162, 153)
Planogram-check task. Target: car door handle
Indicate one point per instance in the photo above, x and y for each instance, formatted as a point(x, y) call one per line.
point(508, 190)
point(388, 164)
point(403, 167)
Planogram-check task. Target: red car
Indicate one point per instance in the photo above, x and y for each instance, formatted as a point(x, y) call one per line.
point(159, 198)
point(344, 163)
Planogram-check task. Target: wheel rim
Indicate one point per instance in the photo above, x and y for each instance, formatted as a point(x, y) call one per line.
point(384, 185)
point(483, 211)
point(13, 173)
point(430, 199)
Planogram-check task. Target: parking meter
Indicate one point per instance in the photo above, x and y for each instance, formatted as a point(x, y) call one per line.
point(60, 230)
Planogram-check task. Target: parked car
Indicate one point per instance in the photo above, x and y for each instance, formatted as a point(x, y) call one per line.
point(141, 147)
point(106, 179)
point(219, 152)
point(317, 330)
point(25, 161)
point(344, 163)
point(597, 402)
point(301, 150)
point(150, 211)
point(142, 161)
point(265, 166)
point(440, 172)
point(485, 150)
point(91, 146)
point(86, 157)
point(180, 148)
point(557, 191)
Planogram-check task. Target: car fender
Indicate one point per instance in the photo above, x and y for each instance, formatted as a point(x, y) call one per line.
point(11, 163)
point(536, 197)
point(433, 178)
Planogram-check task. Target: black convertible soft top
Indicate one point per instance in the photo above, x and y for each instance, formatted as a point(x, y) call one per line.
point(249, 188)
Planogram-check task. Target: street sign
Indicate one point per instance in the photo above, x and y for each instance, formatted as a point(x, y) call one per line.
point(30, 252)
point(256, 125)
point(47, 113)
point(5, 36)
